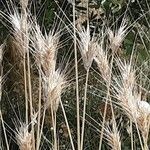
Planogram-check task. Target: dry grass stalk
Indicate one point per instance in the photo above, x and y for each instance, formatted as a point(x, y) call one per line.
point(1, 68)
point(20, 55)
point(88, 46)
point(24, 138)
point(4, 130)
point(52, 80)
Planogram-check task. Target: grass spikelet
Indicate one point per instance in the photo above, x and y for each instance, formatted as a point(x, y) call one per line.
point(52, 80)
point(45, 57)
point(126, 92)
point(45, 50)
point(20, 42)
point(88, 46)
point(24, 138)
point(116, 38)
point(112, 136)
point(103, 63)
point(53, 86)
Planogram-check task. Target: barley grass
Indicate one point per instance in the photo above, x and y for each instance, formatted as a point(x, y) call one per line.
point(70, 70)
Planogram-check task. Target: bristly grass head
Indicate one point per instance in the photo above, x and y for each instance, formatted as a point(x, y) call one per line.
point(45, 52)
point(45, 49)
point(53, 86)
point(102, 61)
point(23, 137)
point(112, 137)
point(116, 37)
point(21, 34)
point(130, 100)
point(87, 46)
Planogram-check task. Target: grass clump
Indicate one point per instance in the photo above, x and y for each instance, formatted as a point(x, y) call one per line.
point(79, 83)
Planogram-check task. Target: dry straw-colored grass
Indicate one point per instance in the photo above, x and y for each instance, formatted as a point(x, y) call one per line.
point(31, 49)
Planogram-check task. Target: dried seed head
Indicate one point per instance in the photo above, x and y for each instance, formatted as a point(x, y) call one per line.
point(20, 44)
point(24, 138)
point(112, 136)
point(53, 86)
point(88, 47)
point(129, 98)
point(101, 59)
point(116, 38)
point(125, 86)
point(45, 50)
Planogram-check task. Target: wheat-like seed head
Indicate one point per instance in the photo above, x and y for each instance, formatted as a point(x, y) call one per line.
point(112, 136)
point(24, 138)
point(101, 59)
point(116, 38)
point(45, 50)
point(126, 92)
point(129, 98)
point(53, 87)
point(21, 38)
point(16, 21)
point(88, 46)
point(45, 56)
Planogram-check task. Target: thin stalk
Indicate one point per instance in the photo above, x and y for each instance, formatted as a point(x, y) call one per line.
point(5, 135)
point(102, 130)
point(42, 124)
point(132, 146)
point(53, 115)
point(77, 84)
point(25, 47)
point(145, 144)
point(39, 112)
point(139, 135)
point(106, 103)
point(84, 108)
point(55, 132)
point(145, 138)
point(69, 132)
point(25, 86)
point(30, 99)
